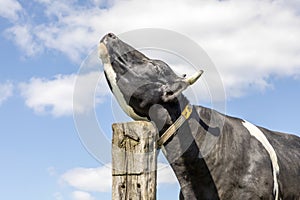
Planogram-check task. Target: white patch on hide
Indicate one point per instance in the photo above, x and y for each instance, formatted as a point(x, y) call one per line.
point(259, 135)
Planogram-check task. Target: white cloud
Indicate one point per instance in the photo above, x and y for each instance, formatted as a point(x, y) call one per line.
point(55, 96)
point(80, 195)
point(100, 179)
point(23, 36)
point(9, 9)
point(6, 90)
point(89, 179)
point(249, 41)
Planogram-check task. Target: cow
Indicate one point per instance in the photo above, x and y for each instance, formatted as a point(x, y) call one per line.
point(244, 162)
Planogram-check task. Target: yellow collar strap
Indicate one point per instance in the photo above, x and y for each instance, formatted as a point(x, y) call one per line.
point(186, 113)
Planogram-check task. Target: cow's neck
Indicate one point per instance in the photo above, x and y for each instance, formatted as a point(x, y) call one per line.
point(174, 110)
point(185, 158)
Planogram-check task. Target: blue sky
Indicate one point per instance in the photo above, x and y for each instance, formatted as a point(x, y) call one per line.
point(255, 46)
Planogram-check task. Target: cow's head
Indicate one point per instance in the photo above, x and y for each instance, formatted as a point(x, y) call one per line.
point(143, 87)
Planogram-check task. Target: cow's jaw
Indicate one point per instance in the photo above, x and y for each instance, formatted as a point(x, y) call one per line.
point(111, 77)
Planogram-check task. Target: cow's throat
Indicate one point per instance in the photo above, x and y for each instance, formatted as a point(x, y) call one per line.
point(112, 78)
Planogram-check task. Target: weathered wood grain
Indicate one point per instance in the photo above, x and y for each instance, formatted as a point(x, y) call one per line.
point(134, 161)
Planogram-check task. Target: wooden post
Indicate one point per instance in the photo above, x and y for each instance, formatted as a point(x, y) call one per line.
point(134, 161)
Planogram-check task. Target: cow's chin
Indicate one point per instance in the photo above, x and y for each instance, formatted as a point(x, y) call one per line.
point(103, 53)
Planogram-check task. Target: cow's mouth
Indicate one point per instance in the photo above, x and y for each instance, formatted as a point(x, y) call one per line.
point(120, 55)
point(103, 53)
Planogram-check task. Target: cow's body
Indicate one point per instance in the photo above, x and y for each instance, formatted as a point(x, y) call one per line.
point(237, 166)
point(213, 156)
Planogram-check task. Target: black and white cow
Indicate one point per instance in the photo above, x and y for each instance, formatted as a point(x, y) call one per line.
point(244, 162)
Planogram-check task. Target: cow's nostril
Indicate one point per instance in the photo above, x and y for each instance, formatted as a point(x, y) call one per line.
point(111, 35)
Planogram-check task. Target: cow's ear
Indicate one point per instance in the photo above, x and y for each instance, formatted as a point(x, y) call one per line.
point(171, 91)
